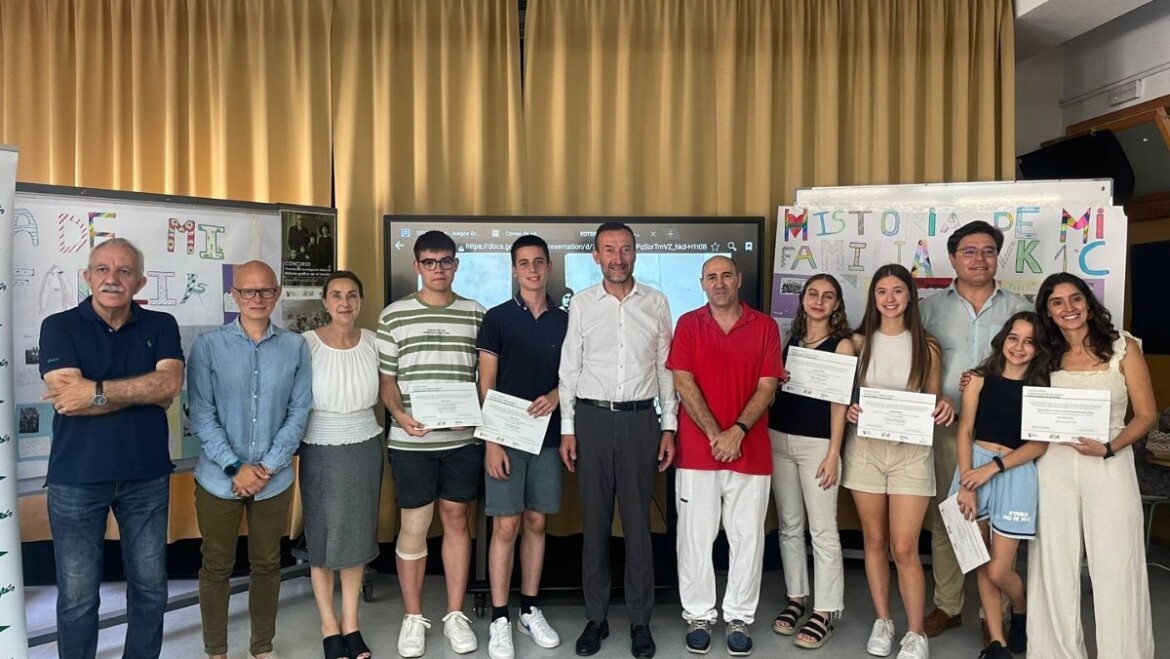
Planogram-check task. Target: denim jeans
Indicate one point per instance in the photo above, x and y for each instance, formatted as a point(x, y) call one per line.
point(77, 519)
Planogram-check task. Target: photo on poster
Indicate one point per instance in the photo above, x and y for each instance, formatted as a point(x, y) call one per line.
point(308, 253)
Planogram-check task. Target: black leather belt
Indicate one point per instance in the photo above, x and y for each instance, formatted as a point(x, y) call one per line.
point(619, 406)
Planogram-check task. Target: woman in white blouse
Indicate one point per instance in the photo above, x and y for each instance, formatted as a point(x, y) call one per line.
point(341, 463)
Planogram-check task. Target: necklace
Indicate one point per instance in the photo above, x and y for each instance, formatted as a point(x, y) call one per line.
point(806, 343)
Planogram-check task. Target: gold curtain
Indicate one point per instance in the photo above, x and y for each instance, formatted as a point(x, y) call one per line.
point(208, 98)
point(711, 107)
point(727, 106)
point(426, 119)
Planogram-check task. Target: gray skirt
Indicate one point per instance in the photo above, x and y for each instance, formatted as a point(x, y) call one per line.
point(340, 491)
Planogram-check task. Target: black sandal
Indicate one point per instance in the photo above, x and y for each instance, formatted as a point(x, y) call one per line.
point(356, 647)
point(792, 615)
point(334, 647)
point(819, 628)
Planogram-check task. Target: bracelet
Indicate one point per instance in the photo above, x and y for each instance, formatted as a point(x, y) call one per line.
point(999, 463)
point(1108, 451)
point(741, 426)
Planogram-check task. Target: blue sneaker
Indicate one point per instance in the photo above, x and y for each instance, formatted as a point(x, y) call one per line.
point(699, 636)
point(739, 641)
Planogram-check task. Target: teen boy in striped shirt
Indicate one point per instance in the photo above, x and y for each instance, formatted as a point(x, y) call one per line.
point(429, 337)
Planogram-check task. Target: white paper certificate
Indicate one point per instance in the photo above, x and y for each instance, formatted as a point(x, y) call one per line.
point(445, 405)
point(819, 374)
point(1051, 414)
point(506, 422)
point(896, 416)
point(965, 536)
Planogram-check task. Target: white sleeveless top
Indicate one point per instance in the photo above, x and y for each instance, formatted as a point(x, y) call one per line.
point(345, 390)
point(889, 361)
point(1111, 380)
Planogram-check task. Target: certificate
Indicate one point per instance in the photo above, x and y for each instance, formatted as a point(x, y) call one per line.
point(445, 405)
point(1051, 414)
point(964, 533)
point(506, 421)
point(819, 374)
point(896, 416)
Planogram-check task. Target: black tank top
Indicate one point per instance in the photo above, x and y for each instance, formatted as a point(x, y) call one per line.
point(801, 415)
point(998, 417)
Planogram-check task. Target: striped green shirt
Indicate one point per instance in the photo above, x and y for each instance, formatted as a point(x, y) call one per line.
point(419, 343)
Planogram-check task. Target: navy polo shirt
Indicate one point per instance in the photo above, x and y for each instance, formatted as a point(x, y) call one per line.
point(129, 444)
point(529, 352)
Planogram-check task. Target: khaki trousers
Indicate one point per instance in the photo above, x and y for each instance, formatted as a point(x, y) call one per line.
point(219, 523)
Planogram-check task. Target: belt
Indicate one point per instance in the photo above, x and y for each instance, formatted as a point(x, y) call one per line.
point(619, 406)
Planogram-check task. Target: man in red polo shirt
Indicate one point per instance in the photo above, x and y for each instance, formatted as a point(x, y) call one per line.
point(726, 363)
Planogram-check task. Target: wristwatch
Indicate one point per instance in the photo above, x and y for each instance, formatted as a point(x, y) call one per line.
point(233, 468)
point(1108, 451)
point(99, 398)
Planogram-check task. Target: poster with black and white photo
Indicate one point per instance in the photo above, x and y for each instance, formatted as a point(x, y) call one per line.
point(309, 252)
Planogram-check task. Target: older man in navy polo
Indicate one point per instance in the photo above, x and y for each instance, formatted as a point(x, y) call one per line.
point(111, 368)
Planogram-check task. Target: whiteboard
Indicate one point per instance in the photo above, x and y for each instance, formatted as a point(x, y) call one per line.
point(190, 248)
point(851, 232)
point(977, 194)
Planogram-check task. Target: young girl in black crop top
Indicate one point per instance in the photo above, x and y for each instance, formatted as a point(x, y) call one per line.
point(996, 477)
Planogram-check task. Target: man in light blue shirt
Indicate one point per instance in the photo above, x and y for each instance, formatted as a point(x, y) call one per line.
point(963, 317)
point(250, 391)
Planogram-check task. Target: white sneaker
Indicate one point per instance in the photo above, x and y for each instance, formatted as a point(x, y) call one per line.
point(500, 639)
point(535, 625)
point(270, 655)
point(457, 629)
point(914, 647)
point(412, 638)
point(881, 638)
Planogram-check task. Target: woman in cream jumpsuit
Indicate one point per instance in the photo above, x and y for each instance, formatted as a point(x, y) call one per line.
point(1089, 490)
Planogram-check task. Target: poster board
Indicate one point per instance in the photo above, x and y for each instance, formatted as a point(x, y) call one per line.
point(850, 232)
point(191, 247)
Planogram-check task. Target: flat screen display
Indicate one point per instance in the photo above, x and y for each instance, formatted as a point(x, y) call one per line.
point(671, 252)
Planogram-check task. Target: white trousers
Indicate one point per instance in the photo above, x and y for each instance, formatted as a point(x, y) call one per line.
point(1091, 508)
point(795, 459)
point(741, 500)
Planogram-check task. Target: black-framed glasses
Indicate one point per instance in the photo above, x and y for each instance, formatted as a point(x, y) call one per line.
point(249, 293)
point(446, 263)
point(972, 252)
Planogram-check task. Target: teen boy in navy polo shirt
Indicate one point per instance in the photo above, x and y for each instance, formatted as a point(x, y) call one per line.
point(111, 369)
point(519, 354)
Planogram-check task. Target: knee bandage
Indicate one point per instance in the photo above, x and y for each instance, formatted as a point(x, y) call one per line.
point(412, 537)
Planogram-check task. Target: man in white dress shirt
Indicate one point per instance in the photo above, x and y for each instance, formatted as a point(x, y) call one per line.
point(613, 366)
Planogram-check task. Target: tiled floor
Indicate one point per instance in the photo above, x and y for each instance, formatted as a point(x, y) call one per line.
point(298, 626)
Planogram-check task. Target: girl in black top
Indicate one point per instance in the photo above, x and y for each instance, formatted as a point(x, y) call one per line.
point(996, 477)
point(806, 436)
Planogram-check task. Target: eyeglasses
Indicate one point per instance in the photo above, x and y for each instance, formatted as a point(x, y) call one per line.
point(446, 263)
point(249, 293)
point(972, 252)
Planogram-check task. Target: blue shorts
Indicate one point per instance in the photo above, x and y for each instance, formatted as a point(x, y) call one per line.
point(534, 483)
point(1007, 501)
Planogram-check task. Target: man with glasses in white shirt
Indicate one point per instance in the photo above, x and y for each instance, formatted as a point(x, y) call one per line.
point(429, 337)
point(613, 366)
point(963, 317)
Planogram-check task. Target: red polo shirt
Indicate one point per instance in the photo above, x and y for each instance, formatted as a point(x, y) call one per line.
point(727, 368)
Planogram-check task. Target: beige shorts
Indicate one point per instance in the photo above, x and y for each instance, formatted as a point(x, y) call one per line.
point(880, 467)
